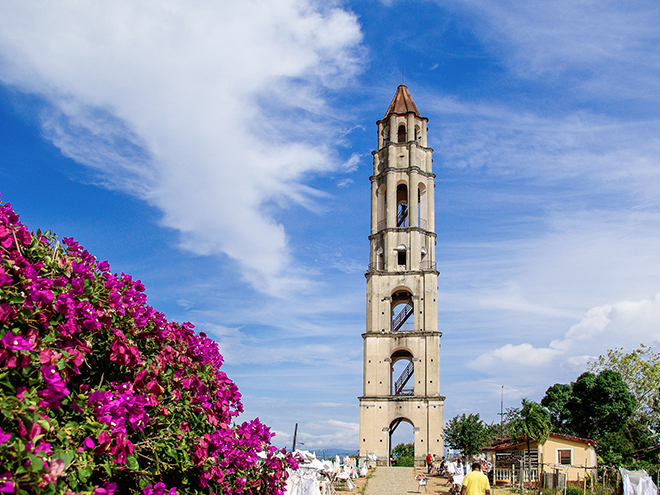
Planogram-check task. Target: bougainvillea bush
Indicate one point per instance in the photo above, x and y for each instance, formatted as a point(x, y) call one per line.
point(99, 393)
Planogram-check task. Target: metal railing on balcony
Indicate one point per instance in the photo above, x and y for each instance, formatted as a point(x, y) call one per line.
point(378, 266)
point(427, 265)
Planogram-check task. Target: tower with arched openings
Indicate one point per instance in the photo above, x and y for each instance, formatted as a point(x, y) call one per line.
point(402, 341)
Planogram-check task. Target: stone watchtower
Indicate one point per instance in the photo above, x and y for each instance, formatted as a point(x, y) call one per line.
point(402, 342)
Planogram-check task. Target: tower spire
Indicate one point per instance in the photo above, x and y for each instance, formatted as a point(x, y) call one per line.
point(402, 103)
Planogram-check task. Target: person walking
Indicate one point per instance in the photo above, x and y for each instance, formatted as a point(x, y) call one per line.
point(429, 462)
point(475, 482)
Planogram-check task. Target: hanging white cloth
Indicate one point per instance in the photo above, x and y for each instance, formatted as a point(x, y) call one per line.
point(637, 483)
point(647, 487)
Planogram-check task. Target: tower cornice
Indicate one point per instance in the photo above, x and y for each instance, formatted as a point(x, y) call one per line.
point(389, 335)
point(392, 170)
point(403, 229)
point(402, 398)
point(403, 145)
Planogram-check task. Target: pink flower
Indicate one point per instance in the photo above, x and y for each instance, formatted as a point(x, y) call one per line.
point(57, 467)
point(16, 342)
point(87, 443)
point(20, 393)
point(4, 278)
point(107, 489)
point(6, 485)
point(6, 311)
point(4, 437)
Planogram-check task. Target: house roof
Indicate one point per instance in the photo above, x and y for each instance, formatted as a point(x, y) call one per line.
point(512, 442)
point(402, 103)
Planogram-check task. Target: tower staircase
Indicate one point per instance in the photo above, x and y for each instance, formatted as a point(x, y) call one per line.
point(401, 318)
point(402, 216)
point(403, 379)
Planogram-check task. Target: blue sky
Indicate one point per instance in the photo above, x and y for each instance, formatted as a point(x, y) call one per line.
point(220, 152)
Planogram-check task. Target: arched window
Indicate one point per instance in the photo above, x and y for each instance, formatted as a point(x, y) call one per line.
point(402, 312)
point(381, 200)
point(422, 207)
point(402, 373)
point(402, 134)
point(402, 205)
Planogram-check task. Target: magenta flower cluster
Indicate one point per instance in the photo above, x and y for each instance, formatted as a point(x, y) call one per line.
point(100, 394)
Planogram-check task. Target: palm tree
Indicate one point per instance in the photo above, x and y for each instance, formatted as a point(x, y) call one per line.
point(533, 421)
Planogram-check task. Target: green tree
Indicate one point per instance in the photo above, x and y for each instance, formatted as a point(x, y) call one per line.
point(556, 400)
point(616, 448)
point(404, 453)
point(533, 422)
point(599, 404)
point(592, 406)
point(468, 433)
point(640, 369)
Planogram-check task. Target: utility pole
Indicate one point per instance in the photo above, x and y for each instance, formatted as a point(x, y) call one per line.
point(502, 414)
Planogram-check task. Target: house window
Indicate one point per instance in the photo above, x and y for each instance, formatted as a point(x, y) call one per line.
point(564, 457)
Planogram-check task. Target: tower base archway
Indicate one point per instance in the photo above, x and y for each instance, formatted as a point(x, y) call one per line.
point(378, 416)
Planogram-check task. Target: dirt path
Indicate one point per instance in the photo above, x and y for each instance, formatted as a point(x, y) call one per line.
point(392, 481)
point(401, 481)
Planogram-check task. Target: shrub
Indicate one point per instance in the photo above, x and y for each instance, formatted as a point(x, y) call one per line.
point(570, 490)
point(100, 393)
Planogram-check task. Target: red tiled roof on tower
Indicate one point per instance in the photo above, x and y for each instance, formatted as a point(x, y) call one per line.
point(402, 103)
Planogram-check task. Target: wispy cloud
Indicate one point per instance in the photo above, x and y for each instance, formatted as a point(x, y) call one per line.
point(612, 154)
point(209, 111)
point(605, 48)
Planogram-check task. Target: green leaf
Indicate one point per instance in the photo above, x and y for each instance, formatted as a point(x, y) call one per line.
point(66, 456)
point(132, 463)
point(84, 472)
point(49, 489)
point(16, 299)
point(36, 462)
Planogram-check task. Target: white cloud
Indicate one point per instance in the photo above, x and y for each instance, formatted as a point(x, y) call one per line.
point(522, 355)
point(622, 324)
point(321, 435)
point(242, 348)
point(208, 110)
